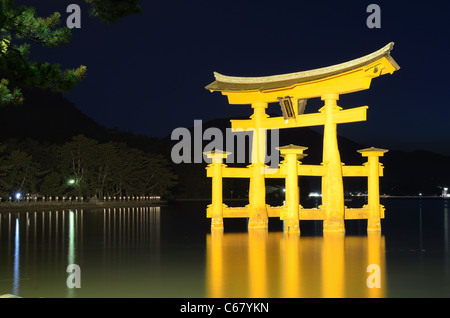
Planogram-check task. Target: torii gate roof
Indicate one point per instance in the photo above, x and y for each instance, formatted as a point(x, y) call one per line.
point(233, 84)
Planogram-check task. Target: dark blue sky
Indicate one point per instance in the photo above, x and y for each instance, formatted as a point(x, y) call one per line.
point(147, 73)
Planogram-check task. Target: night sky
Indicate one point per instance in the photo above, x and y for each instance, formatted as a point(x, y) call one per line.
point(147, 73)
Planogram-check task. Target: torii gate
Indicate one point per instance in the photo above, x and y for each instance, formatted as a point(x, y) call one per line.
point(291, 91)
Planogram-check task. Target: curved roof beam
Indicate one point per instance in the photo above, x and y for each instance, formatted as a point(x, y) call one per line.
point(265, 83)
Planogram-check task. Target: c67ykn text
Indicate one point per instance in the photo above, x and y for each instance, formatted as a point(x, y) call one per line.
point(242, 307)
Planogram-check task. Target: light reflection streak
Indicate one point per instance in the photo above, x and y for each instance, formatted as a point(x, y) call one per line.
point(128, 227)
point(16, 274)
point(446, 237)
point(71, 248)
point(40, 238)
point(273, 264)
point(71, 251)
point(257, 259)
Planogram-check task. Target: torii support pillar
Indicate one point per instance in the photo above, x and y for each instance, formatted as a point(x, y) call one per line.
point(290, 168)
point(217, 193)
point(257, 193)
point(373, 188)
point(332, 183)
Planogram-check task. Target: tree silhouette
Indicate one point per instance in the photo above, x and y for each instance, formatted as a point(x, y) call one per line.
point(19, 26)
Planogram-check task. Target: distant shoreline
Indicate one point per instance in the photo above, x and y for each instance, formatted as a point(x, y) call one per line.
point(381, 197)
point(412, 197)
point(27, 206)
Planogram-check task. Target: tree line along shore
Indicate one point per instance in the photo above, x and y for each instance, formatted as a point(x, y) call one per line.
point(80, 169)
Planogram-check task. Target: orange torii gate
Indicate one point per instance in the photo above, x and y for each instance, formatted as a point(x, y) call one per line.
point(291, 91)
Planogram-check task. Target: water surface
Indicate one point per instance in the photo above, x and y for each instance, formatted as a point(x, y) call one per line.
point(169, 251)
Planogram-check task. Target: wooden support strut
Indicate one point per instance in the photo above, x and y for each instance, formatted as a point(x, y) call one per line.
point(217, 193)
point(373, 191)
point(291, 153)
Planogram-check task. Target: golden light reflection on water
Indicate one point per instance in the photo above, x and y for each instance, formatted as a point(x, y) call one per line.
point(272, 264)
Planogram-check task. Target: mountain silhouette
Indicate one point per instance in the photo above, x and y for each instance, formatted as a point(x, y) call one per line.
point(50, 118)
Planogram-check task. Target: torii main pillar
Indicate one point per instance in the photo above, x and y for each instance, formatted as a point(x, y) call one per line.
point(257, 192)
point(332, 183)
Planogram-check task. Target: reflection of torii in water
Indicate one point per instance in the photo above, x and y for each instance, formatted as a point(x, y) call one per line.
point(291, 91)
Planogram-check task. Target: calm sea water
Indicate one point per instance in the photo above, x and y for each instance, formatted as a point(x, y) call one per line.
point(170, 252)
